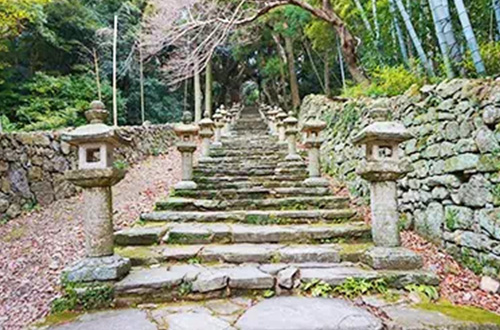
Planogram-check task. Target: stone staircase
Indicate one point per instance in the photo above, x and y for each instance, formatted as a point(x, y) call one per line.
point(251, 225)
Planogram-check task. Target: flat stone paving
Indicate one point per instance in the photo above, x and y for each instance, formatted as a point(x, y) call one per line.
point(281, 313)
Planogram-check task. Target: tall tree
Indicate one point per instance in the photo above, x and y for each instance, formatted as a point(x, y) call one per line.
point(496, 9)
point(399, 32)
point(441, 39)
point(470, 37)
point(415, 39)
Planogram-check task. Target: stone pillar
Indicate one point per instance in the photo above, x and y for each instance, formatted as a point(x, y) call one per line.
point(272, 121)
point(206, 133)
point(291, 131)
point(382, 168)
point(280, 117)
point(96, 175)
point(186, 145)
point(219, 124)
point(313, 142)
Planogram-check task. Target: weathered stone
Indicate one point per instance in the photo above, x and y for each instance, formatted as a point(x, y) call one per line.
point(125, 319)
point(458, 217)
point(486, 140)
point(210, 280)
point(309, 253)
point(286, 277)
point(139, 235)
point(449, 181)
point(149, 280)
point(240, 253)
point(19, 183)
point(489, 285)
point(476, 192)
point(406, 318)
point(461, 163)
point(491, 115)
point(489, 221)
point(195, 321)
point(44, 192)
point(465, 129)
point(452, 131)
point(249, 278)
point(109, 268)
point(465, 146)
point(293, 313)
point(223, 307)
point(440, 193)
point(392, 258)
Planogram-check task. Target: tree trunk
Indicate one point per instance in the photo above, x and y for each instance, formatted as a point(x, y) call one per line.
point(326, 84)
point(208, 88)
point(375, 20)
point(399, 32)
point(364, 18)
point(341, 63)
point(313, 65)
point(443, 16)
point(496, 9)
point(141, 77)
point(443, 46)
point(415, 39)
point(197, 94)
point(283, 95)
point(294, 85)
point(470, 37)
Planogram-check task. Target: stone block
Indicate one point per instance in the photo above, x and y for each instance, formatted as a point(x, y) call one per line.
point(109, 268)
point(461, 163)
point(458, 217)
point(392, 258)
point(489, 284)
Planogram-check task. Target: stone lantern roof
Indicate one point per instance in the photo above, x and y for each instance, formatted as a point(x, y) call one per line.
point(383, 131)
point(206, 122)
point(96, 131)
point(281, 115)
point(186, 127)
point(290, 120)
point(313, 126)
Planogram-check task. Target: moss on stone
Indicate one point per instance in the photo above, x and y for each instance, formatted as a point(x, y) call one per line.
point(57, 318)
point(462, 313)
point(137, 254)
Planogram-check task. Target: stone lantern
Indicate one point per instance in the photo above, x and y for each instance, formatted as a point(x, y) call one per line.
point(219, 124)
point(96, 175)
point(206, 132)
point(272, 120)
point(382, 168)
point(280, 117)
point(291, 131)
point(187, 133)
point(223, 112)
point(234, 113)
point(312, 129)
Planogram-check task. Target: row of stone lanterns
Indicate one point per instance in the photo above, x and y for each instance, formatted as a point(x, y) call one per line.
point(382, 168)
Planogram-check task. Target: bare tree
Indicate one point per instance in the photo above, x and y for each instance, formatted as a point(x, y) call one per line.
point(192, 29)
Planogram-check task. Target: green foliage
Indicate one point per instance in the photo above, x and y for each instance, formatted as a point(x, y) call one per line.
point(451, 219)
point(194, 261)
point(471, 262)
point(490, 53)
point(55, 102)
point(351, 288)
point(317, 288)
point(121, 165)
point(78, 297)
point(386, 81)
point(426, 292)
point(185, 288)
point(269, 294)
point(462, 313)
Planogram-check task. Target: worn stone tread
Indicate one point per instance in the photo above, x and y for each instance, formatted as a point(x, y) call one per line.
point(251, 216)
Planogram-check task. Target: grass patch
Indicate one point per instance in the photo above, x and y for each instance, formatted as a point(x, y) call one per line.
point(462, 313)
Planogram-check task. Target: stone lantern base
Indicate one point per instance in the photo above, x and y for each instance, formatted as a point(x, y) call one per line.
point(109, 268)
point(316, 182)
point(392, 258)
point(293, 158)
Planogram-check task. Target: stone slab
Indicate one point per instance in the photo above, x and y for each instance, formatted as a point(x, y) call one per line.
point(145, 280)
point(392, 258)
point(196, 321)
point(127, 319)
point(299, 313)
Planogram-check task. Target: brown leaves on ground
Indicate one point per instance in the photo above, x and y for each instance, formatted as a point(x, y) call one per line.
point(36, 247)
point(458, 284)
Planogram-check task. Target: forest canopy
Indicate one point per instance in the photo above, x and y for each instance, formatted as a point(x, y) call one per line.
point(56, 55)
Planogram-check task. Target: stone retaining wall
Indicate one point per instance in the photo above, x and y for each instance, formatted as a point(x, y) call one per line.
point(32, 165)
point(453, 194)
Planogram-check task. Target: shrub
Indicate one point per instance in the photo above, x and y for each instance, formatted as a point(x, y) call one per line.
point(490, 52)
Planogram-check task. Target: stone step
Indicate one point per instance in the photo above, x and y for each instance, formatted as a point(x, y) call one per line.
point(250, 184)
point(250, 153)
point(288, 203)
point(272, 159)
point(254, 193)
point(253, 217)
point(242, 253)
point(259, 179)
point(193, 282)
point(207, 233)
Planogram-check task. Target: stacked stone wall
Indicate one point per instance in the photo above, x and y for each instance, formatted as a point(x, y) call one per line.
point(32, 165)
point(453, 195)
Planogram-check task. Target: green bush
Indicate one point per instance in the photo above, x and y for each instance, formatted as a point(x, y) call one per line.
point(386, 81)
